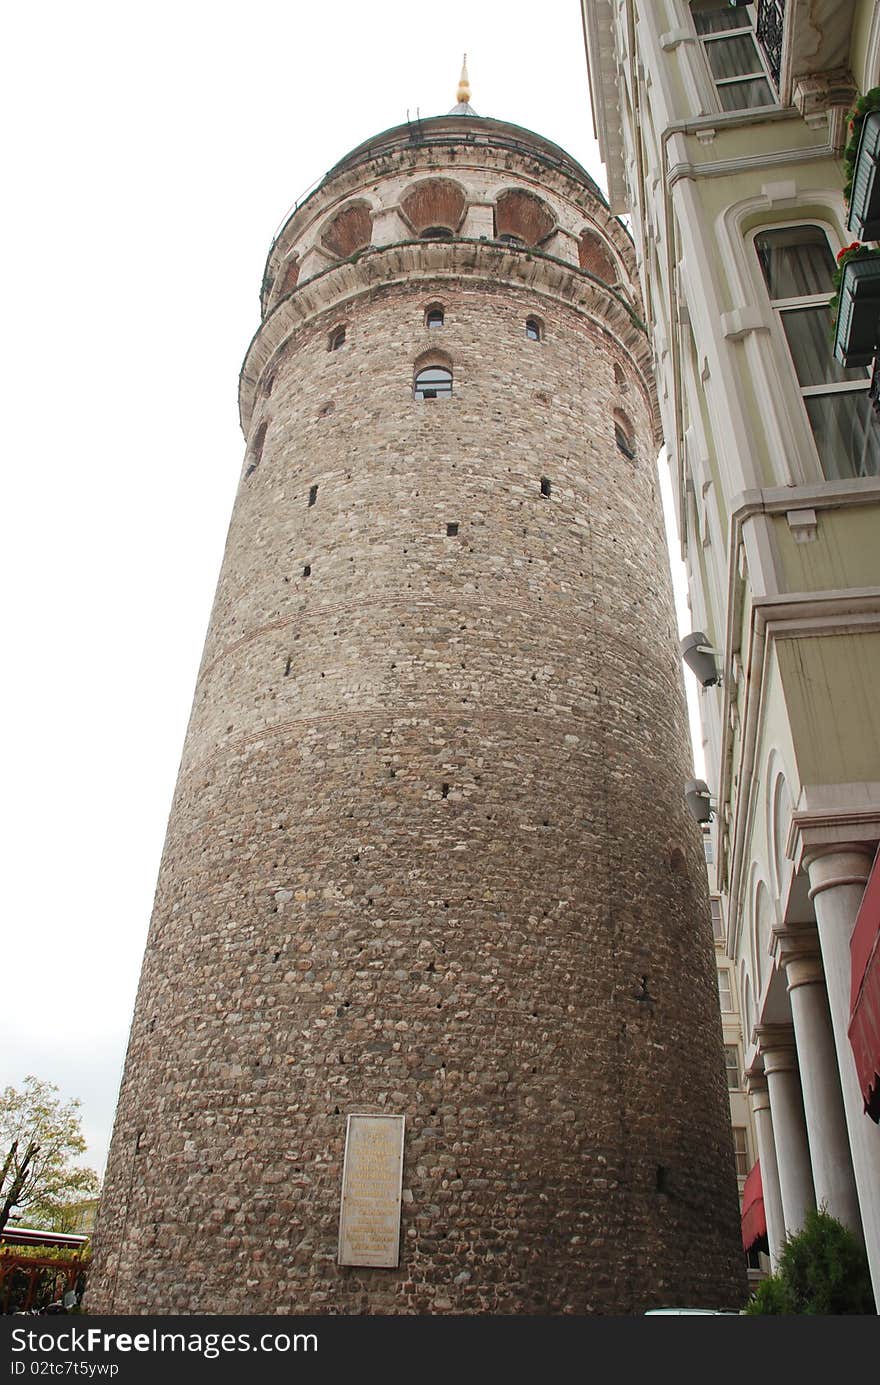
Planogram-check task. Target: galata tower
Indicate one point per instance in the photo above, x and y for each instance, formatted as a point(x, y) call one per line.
point(428, 860)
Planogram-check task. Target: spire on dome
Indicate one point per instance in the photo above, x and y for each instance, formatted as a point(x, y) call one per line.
point(463, 95)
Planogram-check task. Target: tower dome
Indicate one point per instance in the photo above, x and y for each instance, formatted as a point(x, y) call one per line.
point(427, 1021)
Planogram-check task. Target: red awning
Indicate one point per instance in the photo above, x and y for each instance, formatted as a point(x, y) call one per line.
point(754, 1220)
point(864, 1023)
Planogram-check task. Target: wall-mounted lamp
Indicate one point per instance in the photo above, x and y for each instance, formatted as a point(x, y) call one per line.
point(698, 800)
point(700, 658)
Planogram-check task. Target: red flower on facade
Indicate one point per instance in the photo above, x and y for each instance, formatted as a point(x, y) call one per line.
point(856, 245)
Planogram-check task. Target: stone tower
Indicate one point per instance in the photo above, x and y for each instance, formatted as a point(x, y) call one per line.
point(428, 854)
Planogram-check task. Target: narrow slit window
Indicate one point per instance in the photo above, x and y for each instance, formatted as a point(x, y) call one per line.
point(313, 495)
point(337, 339)
point(307, 570)
point(545, 486)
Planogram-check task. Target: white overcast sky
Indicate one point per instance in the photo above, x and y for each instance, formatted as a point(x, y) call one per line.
point(151, 152)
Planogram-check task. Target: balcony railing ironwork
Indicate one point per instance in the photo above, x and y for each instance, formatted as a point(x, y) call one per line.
point(768, 32)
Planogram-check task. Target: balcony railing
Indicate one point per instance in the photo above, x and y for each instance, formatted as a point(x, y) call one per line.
point(768, 32)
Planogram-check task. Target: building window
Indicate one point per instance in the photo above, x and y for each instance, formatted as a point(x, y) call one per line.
point(437, 233)
point(435, 382)
point(735, 61)
point(509, 239)
point(741, 1150)
point(533, 329)
point(725, 995)
point(797, 265)
point(717, 920)
point(731, 1067)
point(337, 339)
point(434, 316)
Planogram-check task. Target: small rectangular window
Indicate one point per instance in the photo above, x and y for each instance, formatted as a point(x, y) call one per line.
point(741, 1150)
point(731, 1067)
point(717, 920)
point(313, 494)
point(545, 486)
point(725, 995)
point(451, 530)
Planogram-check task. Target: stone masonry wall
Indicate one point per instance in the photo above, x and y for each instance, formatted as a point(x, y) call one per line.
point(428, 853)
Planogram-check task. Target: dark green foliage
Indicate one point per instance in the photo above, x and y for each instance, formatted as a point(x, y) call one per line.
point(823, 1270)
point(771, 1296)
point(870, 101)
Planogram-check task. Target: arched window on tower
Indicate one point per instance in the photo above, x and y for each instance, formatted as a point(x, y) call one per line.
point(434, 315)
point(433, 382)
point(350, 230)
point(434, 208)
point(594, 257)
point(623, 435)
point(521, 218)
point(336, 339)
point(255, 451)
point(534, 329)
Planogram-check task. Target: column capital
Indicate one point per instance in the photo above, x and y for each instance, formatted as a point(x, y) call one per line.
point(796, 948)
point(834, 818)
point(777, 1047)
point(759, 1092)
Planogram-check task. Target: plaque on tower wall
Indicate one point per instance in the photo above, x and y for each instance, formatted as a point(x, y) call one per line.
point(372, 1178)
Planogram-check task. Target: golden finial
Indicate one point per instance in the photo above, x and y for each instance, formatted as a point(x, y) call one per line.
point(464, 86)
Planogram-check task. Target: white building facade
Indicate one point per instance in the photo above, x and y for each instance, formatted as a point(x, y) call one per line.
point(722, 128)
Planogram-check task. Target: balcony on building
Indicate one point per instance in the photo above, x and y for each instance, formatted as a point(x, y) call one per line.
point(809, 64)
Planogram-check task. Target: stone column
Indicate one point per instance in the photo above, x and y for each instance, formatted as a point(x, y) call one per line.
point(759, 1099)
point(837, 882)
point(789, 1129)
point(833, 1181)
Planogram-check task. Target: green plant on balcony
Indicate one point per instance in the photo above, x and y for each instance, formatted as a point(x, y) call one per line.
point(869, 101)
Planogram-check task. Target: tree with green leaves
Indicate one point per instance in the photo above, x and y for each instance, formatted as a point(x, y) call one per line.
point(822, 1270)
point(40, 1140)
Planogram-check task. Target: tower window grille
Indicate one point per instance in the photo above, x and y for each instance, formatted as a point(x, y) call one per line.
point(435, 382)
